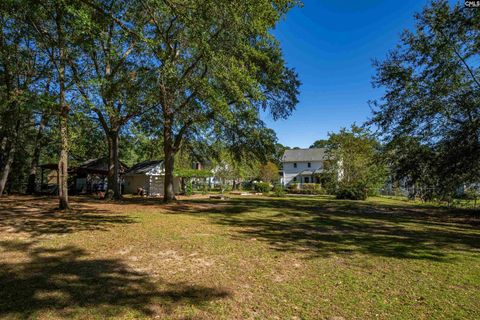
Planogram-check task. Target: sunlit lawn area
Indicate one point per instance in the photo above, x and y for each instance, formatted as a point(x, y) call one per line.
point(243, 258)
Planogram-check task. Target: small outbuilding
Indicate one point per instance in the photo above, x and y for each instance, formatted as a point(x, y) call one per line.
point(91, 175)
point(148, 175)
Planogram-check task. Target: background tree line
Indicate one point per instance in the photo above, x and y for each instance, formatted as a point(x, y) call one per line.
point(83, 78)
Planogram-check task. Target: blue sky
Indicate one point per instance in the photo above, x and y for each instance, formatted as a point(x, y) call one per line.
point(331, 44)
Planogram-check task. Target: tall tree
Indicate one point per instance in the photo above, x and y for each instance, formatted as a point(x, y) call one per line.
point(51, 23)
point(432, 89)
point(109, 74)
point(45, 110)
point(354, 160)
point(216, 66)
point(20, 71)
point(269, 172)
point(415, 165)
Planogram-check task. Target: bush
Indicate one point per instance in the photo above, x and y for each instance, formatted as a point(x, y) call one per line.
point(247, 185)
point(188, 188)
point(263, 187)
point(306, 188)
point(352, 192)
point(278, 191)
point(294, 186)
point(314, 188)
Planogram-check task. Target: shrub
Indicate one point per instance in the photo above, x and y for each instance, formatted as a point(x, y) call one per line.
point(247, 185)
point(352, 192)
point(188, 188)
point(263, 187)
point(278, 191)
point(294, 186)
point(306, 188)
point(313, 187)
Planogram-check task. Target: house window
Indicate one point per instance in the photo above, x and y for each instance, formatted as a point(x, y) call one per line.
point(294, 178)
point(294, 164)
point(307, 180)
point(309, 165)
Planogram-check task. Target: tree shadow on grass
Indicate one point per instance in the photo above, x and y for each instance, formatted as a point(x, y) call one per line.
point(67, 282)
point(38, 216)
point(325, 227)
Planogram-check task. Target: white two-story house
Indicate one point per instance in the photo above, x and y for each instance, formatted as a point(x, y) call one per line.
point(302, 165)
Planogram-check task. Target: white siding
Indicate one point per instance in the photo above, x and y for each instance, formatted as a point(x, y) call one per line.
point(153, 184)
point(290, 172)
point(133, 182)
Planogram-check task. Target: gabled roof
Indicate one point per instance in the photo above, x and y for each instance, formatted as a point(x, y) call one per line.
point(99, 165)
point(298, 155)
point(143, 167)
point(91, 166)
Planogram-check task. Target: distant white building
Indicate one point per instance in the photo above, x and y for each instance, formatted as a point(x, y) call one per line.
point(303, 165)
point(148, 175)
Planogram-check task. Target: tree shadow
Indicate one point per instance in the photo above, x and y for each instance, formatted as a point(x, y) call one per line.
point(37, 216)
point(325, 227)
point(67, 282)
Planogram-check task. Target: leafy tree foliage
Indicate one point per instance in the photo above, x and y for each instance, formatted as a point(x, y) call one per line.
point(192, 74)
point(268, 172)
point(322, 143)
point(217, 65)
point(24, 96)
point(430, 112)
point(354, 161)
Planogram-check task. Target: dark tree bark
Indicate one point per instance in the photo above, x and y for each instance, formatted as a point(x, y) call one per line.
point(32, 178)
point(171, 145)
point(9, 159)
point(169, 192)
point(64, 109)
point(113, 165)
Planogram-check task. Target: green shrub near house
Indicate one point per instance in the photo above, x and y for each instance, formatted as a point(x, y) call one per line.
point(263, 187)
point(278, 191)
point(352, 191)
point(188, 188)
point(315, 187)
point(294, 186)
point(306, 188)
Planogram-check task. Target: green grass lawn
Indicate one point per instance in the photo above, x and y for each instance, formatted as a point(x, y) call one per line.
point(244, 258)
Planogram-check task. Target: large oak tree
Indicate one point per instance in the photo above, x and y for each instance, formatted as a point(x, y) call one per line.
point(216, 66)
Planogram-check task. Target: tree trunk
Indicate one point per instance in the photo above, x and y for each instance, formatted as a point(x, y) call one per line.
point(3, 147)
point(63, 163)
point(9, 160)
point(32, 178)
point(169, 193)
point(169, 154)
point(113, 166)
point(63, 158)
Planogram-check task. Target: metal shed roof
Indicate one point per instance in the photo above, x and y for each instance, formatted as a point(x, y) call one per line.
point(143, 167)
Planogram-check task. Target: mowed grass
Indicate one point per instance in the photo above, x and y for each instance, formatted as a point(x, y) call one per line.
point(244, 258)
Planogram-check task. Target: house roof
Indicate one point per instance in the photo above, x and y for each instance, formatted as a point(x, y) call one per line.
point(99, 165)
point(91, 166)
point(143, 167)
point(49, 166)
point(298, 155)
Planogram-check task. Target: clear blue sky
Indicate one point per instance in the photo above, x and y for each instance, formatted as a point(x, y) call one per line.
point(331, 44)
